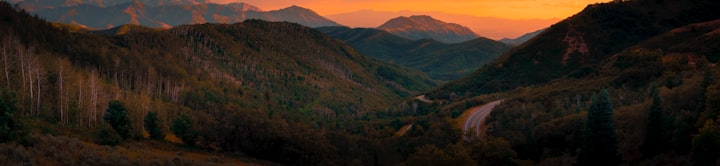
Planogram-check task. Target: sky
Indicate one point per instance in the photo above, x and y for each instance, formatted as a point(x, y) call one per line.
point(508, 9)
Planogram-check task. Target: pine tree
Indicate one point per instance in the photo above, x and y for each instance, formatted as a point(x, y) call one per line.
point(706, 144)
point(9, 128)
point(600, 146)
point(117, 116)
point(152, 125)
point(658, 137)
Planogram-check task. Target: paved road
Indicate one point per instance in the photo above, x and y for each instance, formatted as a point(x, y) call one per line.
point(423, 99)
point(478, 116)
point(404, 130)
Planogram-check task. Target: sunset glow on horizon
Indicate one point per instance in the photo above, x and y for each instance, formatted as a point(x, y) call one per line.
point(509, 9)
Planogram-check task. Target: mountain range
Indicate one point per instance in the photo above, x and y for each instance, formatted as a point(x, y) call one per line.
point(426, 27)
point(166, 14)
point(491, 27)
point(437, 59)
point(32, 5)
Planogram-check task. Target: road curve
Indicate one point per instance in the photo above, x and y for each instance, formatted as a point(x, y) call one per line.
point(423, 99)
point(478, 115)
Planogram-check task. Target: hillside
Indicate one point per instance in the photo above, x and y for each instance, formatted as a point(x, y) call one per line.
point(663, 88)
point(522, 39)
point(174, 14)
point(679, 64)
point(581, 41)
point(275, 91)
point(438, 60)
point(426, 27)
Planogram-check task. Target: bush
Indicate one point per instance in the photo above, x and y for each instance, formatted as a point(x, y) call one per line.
point(182, 127)
point(117, 116)
point(107, 136)
point(152, 125)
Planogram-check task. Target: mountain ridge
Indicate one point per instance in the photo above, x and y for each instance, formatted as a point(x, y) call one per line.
point(425, 27)
point(522, 39)
point(166, 16)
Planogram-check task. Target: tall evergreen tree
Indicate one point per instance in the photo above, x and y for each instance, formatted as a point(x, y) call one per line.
point(153, 127)
point(9, 128)
point(117, 116)
point(657, 136)
point(706, 145)
point(600, 146)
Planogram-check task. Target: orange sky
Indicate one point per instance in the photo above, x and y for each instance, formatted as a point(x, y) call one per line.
point(510, 9)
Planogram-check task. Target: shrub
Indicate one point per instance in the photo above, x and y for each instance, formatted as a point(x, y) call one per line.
point(182, 127)
point(107, 136)
point(117, 116)
point(152, 125)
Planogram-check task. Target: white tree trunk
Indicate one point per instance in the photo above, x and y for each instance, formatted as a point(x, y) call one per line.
point(61, 103)
point(21, 54)
point(5, 45)
point(93, 99)
point(80, 101)
point(32, 91)
point(39, 89)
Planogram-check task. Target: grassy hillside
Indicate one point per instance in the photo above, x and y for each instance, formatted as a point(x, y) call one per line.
point(439, 60)
point(581, 41)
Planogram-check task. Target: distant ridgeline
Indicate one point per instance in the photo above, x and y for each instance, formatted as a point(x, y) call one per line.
point(164, 14)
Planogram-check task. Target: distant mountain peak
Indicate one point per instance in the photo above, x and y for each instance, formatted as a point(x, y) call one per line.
point(423, 17)
point(302, 15)
point(244, 6)
point(296, 8)
point(423, 26)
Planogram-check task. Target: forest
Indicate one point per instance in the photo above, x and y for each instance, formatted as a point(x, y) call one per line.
point(278, 93)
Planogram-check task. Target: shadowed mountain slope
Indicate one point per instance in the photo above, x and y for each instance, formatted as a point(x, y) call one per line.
point(439, 60)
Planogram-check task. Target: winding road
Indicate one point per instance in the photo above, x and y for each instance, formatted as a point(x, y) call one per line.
point(423, 99)
point(478, 115)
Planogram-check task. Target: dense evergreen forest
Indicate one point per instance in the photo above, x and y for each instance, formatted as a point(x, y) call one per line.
point(280, 93)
